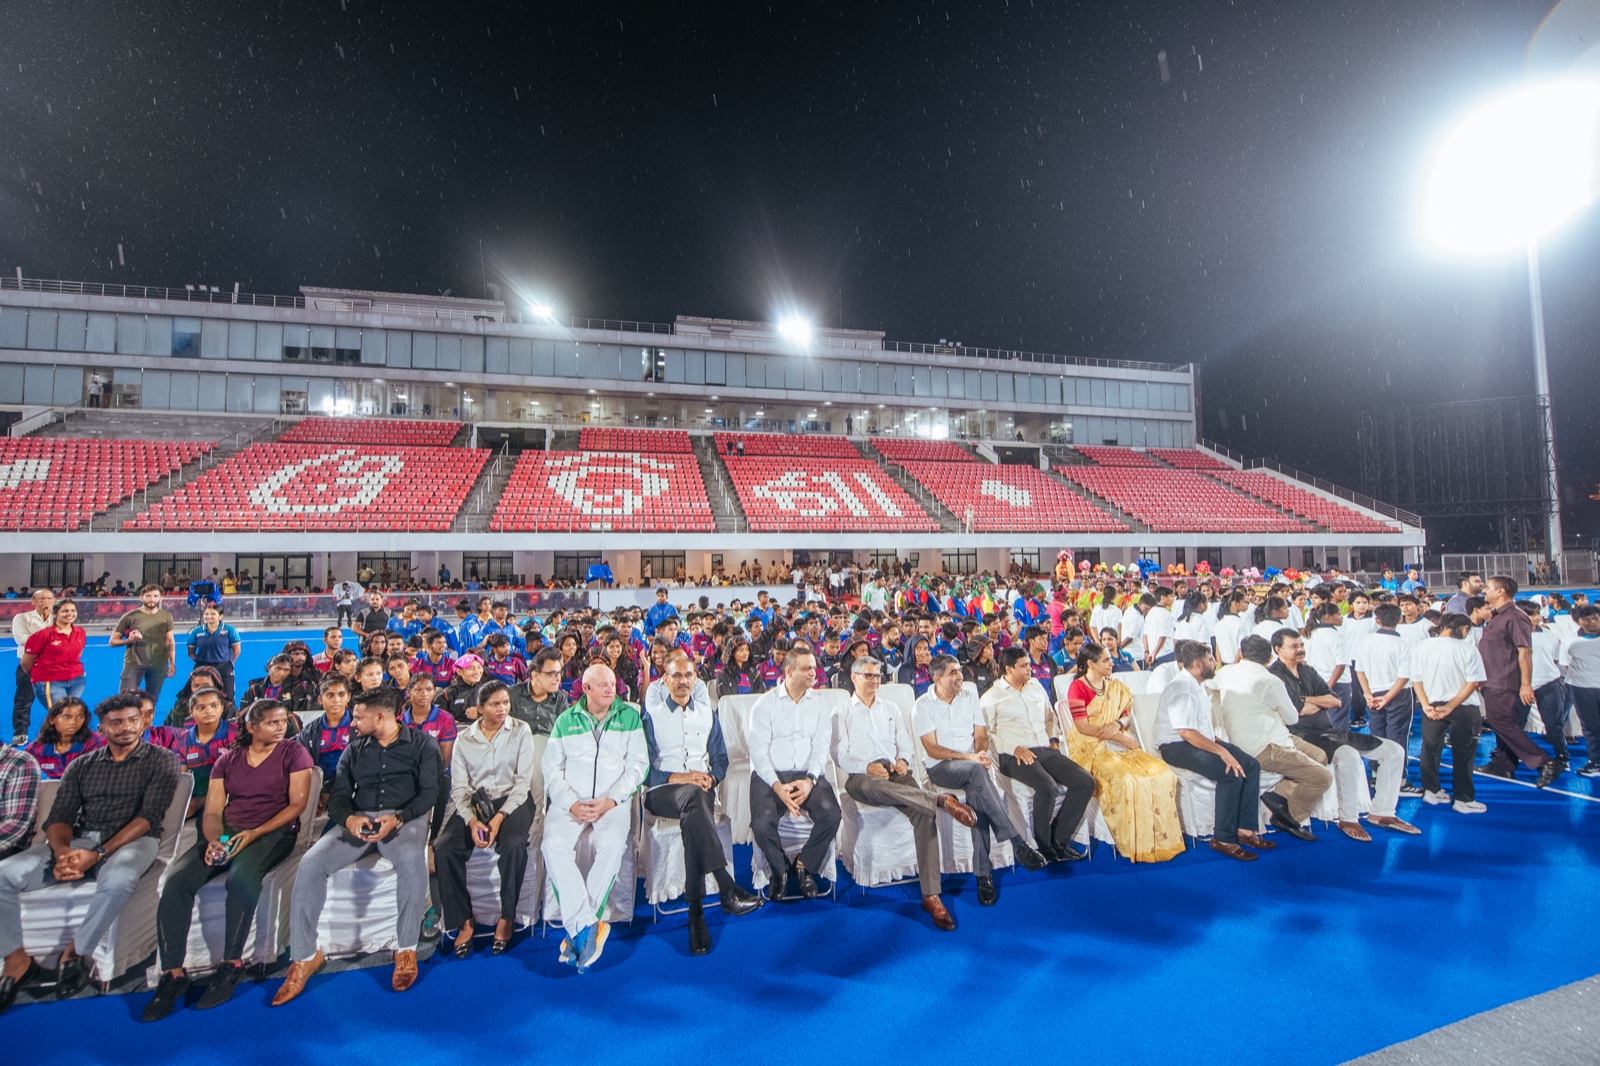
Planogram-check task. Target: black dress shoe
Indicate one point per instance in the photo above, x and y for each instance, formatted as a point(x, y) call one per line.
point(737, 901)
point(1068, 853)
point(1276, 804)
point(1548, 773)
point(72, 977)
point(1030, 859)
point(778, 887)
point(804, 883)
point(220, 988)
point(699, 935)
point(987, 894)
point(1293, 828)
point(168, 991)
point(10, 986)
point(1048, 852)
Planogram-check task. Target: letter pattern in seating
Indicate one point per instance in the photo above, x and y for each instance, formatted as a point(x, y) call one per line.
point(823, 494)
point(60, 483)
point(1011, 499)
point(605, 491)
point(324, 487)
point(1177, 501)
point(412, 432)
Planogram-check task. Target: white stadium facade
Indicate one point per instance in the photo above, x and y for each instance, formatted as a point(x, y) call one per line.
point(342, 426)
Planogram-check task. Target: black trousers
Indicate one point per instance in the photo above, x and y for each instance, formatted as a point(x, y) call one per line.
point(244, 871)
point(695, 811)
point(454, 847)
point(1049, 769)
point(1462, 726)
point(766, 810)
point(1238, 804)
point(22, 704)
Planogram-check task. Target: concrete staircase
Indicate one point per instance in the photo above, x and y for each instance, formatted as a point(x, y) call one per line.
point(484, 495)
point(947, 519)
point(725, 505)
point(238, 441)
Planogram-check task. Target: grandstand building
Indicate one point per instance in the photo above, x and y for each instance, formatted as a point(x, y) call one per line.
point(153, 428)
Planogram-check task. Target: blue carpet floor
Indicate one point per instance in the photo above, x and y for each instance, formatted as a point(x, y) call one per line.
point(1315, 954)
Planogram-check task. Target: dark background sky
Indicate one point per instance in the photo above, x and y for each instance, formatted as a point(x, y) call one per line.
point(1009, 174)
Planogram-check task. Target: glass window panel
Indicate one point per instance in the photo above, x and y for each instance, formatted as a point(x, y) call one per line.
point(755, 371)
point(542, 356)
point(321, 393)
point(921, 381)
point(69, 388)
point(903, 381)
point(939, 381)
point(989, 386)
point(70, 326)
point(130, 334)
point(449, 352)
point(794, 371)
point(472, 355)
point(241, 340)
point(1038, 388)
point(1141, 395)
point(185, 391)
point(520, 359)
point(496, 355)
point(1006, 383)
point(157, 390)
point(1125, 394)
point(566, 360)
point(102, 333)
point(13, 327)
point(716, 368)
point(674, 366)
point(374, 347)
point(41, 330)
point(425, 351)
point(213, 338)
point(267, 394)
point(813, 374)
point(694, 368)
point(736, 370)
point(397, 348)
point(239, 392)
point(158, 335)
point(1097, 393)
point(212, 394)
point(1052, 391)
point(1183, 397)
point(10, 382)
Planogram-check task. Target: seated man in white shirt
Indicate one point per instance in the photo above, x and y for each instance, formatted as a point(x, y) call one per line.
point(688, 759)
point(1446, 671)
point(955, 745)
point(873, 747)
point(1027, 734)
point(1185, 738)
point(791, 727)
point(1347, 752)
point(1257, 712)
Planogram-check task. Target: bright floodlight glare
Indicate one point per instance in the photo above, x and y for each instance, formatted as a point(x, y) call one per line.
point(795, 329)
point(1514, 170)
point(541, 310)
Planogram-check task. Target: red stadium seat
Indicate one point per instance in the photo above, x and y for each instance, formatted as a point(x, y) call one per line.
point(646, 441)
point(828, 492)
point(57, 483)
point(899, 449)
point(412, 432)
point(1006, 499)
point(1180, 501)
point(1336, 517)
point(1189, 459)
point(592, 491)
point(1106, 455)
point(321, 486)
point(803, 445)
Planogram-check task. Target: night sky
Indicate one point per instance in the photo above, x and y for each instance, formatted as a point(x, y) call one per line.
point(1231, 184)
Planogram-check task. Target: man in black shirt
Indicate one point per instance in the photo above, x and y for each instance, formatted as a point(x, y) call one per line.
point(372, 620)
point(1347, 752)
point(383, 796)
point(105, 823)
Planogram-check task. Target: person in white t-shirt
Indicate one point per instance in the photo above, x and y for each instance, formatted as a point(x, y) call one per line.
point(1106, 615)
point(1581, 658)
point(1159, 639)
point(1549, 689)
point(1413, 627)
point(1358, 625)
point(1383, 669)
point(1446, 671)
point(1192, 622)
point(1326, 654)
point(1273, 616)
point(1230, 628)
point(1133, 625)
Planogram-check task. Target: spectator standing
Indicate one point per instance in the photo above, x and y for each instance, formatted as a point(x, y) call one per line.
point(24, 626)
point(1507, 650)
point(216, 644)
point(145, 634)
point(53, 656)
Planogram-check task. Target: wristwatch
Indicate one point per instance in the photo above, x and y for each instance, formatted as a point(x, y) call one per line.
point(100, 851)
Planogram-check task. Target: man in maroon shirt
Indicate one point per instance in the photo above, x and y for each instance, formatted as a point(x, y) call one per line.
point(1507, 650)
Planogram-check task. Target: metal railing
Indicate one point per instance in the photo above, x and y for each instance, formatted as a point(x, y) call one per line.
point(963, 351)
point(148, 292)
point(619, 325)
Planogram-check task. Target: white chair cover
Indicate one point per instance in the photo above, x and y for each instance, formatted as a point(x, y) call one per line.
point(661, 848)
point(52, 915)
point(269, 932)
point(955, 841)
point(483, 881)
point(619, 905)
point(733, 711)
point(792, 834)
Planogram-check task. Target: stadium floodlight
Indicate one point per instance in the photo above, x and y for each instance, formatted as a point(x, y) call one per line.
point(795, 329)
point(1514, 169)
point(540, 309)
point(1510, 172)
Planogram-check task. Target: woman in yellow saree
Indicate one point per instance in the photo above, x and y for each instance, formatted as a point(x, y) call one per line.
point(1137, 791)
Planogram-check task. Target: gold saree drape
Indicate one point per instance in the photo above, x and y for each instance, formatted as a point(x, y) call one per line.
point(1136, 790)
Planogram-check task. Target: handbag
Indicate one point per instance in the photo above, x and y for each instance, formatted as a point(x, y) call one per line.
point(483, 806)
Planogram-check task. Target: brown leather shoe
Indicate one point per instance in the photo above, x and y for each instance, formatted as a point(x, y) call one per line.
point(942, 919)
point(1354, 831)
point(959, 811)
point(1233, 851)
point(1255, 840)
point(405, 970)
point(294, 982)
point(1389, 821)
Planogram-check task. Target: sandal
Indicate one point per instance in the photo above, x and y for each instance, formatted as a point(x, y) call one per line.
point(1354, 831)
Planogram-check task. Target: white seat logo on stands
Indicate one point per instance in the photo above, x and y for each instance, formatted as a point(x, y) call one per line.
point(580, 480)
point(1015, 495)
point(12, 475)
point(332, 482)
point(793, 491)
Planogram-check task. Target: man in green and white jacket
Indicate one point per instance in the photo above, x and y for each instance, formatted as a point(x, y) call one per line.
point(596, 760)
